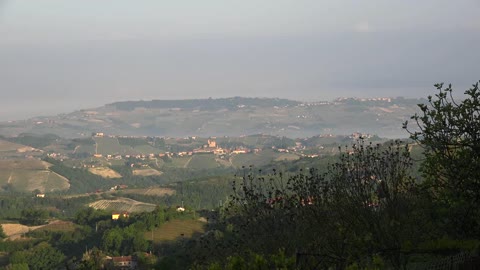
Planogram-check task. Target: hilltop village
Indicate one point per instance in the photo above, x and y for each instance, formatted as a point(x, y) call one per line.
point(113, 148)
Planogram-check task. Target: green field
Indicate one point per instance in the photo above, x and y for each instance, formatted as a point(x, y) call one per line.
point(287, 156)
point(147, 149)
point(59, 226)
point(110, 146)
point(30, 175)
point(85, 149)
point(178, 162)
point(174, 229)
point(257, 159)
point(203, 161)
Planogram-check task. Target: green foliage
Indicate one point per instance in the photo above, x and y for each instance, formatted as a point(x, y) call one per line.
point(17, 266)
point(449, 132)
point(42, 256)
point(446, 244)
point(34, 216)
point(361, 206)
point(89, 216)
point(253, 261)
point(2, 233)
point(92, 259)
point(34, 140)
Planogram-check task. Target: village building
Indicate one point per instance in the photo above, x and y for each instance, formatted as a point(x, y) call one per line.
point(116, 215)
point(124, 262)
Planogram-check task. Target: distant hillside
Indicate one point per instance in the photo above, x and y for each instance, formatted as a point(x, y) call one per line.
point(30, 175)
point(204, 104)
point(226, 117)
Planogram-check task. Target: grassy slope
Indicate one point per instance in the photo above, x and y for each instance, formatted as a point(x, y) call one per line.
point(29, 175)
point(174, 229)
point(258, 159)
point(203, 162)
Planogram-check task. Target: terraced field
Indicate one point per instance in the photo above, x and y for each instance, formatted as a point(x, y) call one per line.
point(122, 204)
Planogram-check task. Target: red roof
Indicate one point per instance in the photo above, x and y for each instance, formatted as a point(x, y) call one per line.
point(123, 259)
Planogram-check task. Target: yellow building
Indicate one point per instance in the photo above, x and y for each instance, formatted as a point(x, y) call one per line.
point(116, 216)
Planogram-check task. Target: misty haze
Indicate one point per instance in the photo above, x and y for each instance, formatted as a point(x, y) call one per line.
point(269, 134)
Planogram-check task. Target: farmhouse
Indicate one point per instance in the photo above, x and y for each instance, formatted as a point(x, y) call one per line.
point(124, 262)
point(116, 215)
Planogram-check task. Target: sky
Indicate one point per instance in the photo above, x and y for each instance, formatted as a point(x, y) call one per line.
point(57, 56)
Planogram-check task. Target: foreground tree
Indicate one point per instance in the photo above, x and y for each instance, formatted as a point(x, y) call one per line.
point(449, 131)
point(361, 210)
point(2, 233)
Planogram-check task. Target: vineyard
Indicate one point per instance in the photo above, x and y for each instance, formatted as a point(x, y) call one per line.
point(105, 172)
point(122, 204)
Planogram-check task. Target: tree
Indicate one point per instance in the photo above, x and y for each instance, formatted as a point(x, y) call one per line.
point(371, 196)
point(449, 131)
point(360, 208)
point(34, 216)
point(92, 259)
point(42, 256)
point(2, 233)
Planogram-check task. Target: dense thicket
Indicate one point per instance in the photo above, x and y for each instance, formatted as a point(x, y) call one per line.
point(366, 211)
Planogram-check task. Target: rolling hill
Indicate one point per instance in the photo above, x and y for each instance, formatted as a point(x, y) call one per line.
point(226, 117)
point(29, 175)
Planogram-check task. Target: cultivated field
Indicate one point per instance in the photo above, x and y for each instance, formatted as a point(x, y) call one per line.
point(59, 226)
point(146, 172)
point(180, 162)
point(6, 146)
point(203, 161)
point(122, 204)
point(15, 230)
point(24, 164)
point(110, 146)
point(154, 191)
point(174, 229)
point(105, 172)
point(29, 175)
point(287, 156)
point(258, 159)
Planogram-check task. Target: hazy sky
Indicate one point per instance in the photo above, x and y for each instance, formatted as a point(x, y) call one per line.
point(62, 55)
